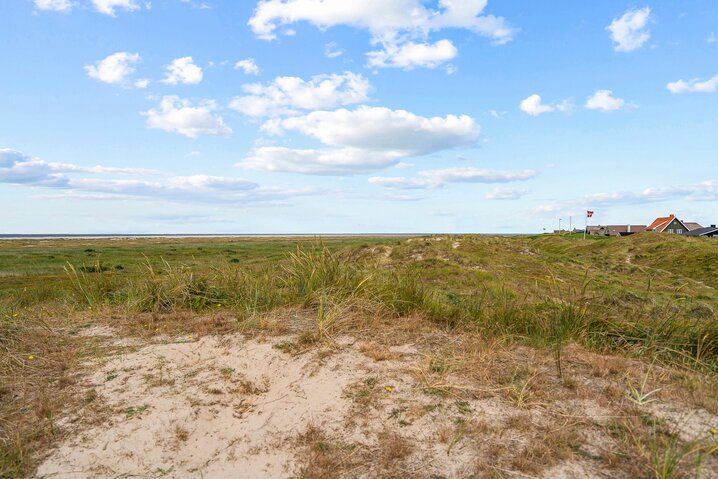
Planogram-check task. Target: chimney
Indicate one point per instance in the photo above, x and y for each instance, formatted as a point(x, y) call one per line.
point(672, 215)
point(713, 226)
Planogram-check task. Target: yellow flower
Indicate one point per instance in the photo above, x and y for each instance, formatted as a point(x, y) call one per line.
point(714, 430)
point(30, 358)
point(14, 315)
point(389, 388)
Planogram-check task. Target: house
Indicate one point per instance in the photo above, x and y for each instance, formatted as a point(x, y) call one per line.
point(625, 230)
point(709, 231)
point(692, 226)
point(615, 230)
point(669, 224)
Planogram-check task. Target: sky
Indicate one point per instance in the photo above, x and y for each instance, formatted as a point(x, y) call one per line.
point(355, 116)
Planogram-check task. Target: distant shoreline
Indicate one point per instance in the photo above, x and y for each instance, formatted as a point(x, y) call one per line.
point(240, 235)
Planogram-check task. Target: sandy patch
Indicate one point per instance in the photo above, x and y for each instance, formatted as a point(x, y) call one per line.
point(229, 407)
point(219, 407)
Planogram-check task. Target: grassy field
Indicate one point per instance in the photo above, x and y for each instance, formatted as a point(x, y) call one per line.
point(639, 313)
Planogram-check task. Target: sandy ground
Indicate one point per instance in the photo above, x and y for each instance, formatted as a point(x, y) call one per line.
point(230, 407)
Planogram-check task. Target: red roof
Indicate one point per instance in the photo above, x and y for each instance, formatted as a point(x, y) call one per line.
point(660, 223)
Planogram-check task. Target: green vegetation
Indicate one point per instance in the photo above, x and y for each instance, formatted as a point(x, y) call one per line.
point(650, 297)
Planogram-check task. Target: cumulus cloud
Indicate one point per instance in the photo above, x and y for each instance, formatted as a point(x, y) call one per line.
point(630, 31)
point(248, 66)
point(604, 101)
point(361, 140)
point(19, 169)
point(289, 95)
point(114, 69)
point(54, 5)
point(383, 129)
point(383, 18)
point(394, 24)
point(503, 193)
point(330, 161)
point(695, 85)
point(410, 55)
point(183, 71)
point(178, 115)
point(534, 106)
point(438, 178)
point(108, 6)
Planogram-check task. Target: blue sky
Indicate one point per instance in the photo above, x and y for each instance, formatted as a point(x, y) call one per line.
point(349, 116)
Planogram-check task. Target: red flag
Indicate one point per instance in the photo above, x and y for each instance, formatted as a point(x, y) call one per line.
point(589, 214)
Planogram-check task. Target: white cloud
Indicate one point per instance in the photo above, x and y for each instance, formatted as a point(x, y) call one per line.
point(288, 95)
point(332, 50)
point(54, 5)
point(630, 32)
point(114, 69)
point(383, 18)
point(177, 115)
point(383, 129)
point(248, 66)
point(410, 55)
point(142, 84)
point(603, 100)
point(502, 193)
point(183, 71)
point(712, 38)
point(695, 85)
point(533, 106)
point(361, 140)
point(19, 169)
point(330, 161)
point(438, 178)
point(108, 6)
point(702, 191)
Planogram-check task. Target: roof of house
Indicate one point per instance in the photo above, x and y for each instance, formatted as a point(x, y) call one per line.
point(692, 225)
point(660, 224)
point(703, 231)
point(617, 229)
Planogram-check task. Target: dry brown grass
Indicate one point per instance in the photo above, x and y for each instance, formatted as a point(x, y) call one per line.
point(324, 457)
point(378, 352)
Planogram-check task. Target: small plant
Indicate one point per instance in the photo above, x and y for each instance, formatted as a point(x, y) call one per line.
point(640, 395)
point(521, 391)
point(437, 365)
point(132, 411)
point(667, 453)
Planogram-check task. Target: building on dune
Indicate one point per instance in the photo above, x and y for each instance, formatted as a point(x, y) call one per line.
point(709, 231)
point(615, 230)
point(664, 224)
point(692, 226)
point(671, 224)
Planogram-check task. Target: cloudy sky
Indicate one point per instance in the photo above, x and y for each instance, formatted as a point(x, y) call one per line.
point(355, 116)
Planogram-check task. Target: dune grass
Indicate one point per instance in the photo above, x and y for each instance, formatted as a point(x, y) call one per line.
point(650, 297)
